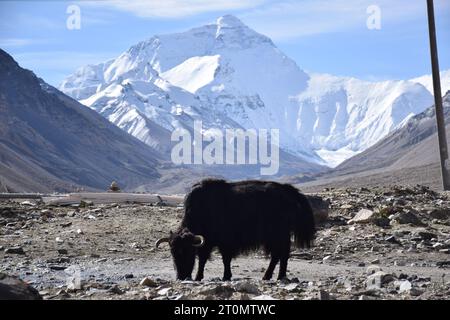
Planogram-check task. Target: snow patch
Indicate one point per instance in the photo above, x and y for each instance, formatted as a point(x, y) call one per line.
point(194, 73)
point(333, 158)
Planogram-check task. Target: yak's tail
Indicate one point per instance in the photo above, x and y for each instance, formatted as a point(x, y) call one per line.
point(304, 224)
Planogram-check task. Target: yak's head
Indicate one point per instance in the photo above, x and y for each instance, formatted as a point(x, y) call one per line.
point(183, 246)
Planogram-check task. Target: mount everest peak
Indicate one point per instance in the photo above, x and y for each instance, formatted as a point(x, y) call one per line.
point(228, 75)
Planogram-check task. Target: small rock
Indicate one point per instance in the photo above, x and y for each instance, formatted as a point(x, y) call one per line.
point(148, 282)
point(15, 250)
point(365, 297)
point(63, 293)
point(405, 286)
point(378, 279)
point(28, 203)
point(324, 295)
point(392, 239)
point(371, 269)
point(246, 287)
point(362, 216)
point(263, 297)
point(415, 292)
point(407, 217)
point(62, 251)
point(85, 204)
point(225, 291)
point(440, 214)
point(425, 235)
point(382, 222)
point(57, 267)
point(438, 245)
point(164, 292)
point(292, 287)
point(444, 263)
point(115, 289)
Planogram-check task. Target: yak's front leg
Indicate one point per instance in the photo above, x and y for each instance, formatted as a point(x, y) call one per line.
point(226, 259)
point(203, 255)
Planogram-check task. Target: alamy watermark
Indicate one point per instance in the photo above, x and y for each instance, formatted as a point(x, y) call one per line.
point(73, 21)
point(228, 147)
point(373, 21)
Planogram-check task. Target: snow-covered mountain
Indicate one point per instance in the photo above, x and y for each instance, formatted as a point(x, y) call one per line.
point(427, 81)
point(228, 75)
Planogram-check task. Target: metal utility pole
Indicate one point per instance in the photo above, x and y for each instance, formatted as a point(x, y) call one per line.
point(443, 150)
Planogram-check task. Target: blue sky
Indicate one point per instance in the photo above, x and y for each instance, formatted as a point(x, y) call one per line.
point(321, 36)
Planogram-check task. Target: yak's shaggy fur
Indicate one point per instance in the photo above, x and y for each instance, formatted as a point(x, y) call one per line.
point(238, 217)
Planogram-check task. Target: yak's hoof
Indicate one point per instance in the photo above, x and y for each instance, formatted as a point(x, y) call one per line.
point(226, 279)
point(284, 279)
point(266, 278)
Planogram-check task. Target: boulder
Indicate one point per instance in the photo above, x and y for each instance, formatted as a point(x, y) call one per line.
point(363, 216)
point(320, 208)
point(407, 217)
point(12, 288)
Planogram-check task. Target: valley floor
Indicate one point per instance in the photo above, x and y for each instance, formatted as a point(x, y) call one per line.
point(428, 175)
point(401, 252)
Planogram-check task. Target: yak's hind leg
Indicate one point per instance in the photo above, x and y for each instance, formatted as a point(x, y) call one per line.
point(273, 262)
point(284, 257)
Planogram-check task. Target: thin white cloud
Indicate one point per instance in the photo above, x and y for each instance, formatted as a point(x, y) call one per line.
point(290, 19)
point(175, 8)
point(60, 60)
point(19, 42)
point(54, 66)
point(13, 20)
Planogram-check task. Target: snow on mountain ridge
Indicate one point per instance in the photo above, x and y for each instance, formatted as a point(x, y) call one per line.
point(427, 81)
point(227, 73)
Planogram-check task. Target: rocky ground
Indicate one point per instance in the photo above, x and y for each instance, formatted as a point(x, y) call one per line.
point(382, 243)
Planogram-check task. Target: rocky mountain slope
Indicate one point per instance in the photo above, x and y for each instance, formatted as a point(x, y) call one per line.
point(407, 156)
point(50, 142)
point(413, 145)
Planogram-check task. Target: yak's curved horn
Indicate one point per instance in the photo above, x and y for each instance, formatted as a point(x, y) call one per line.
point(200, 238)
point(159, 241)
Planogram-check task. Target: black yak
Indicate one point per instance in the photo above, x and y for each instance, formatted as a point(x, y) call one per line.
point(238, 217)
